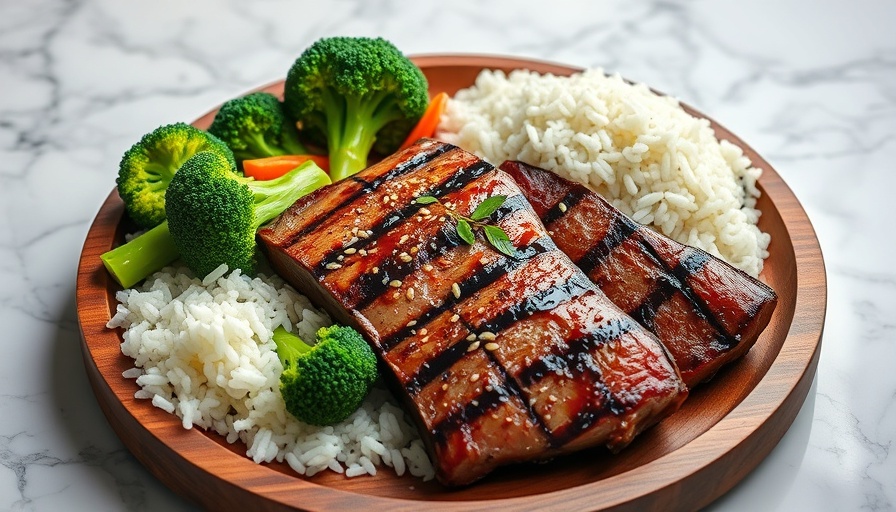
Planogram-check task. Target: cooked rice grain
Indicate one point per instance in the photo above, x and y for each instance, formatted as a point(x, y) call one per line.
point(641, 151)
point(203, 351)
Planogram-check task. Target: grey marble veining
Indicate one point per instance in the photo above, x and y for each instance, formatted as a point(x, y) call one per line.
point(810, 85)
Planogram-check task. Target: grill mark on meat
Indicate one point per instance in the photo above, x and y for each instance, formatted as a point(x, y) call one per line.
point(621, 229)
point(404, 167)
point(485, 276)
point(544, 301)
point(572, 198)
point(666, 288)
point(490, 400)
point(372, 286)
point(536, 302)
point(454, 183)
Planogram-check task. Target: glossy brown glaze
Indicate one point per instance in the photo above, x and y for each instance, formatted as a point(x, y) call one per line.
point(706, 312)
point(501, 358)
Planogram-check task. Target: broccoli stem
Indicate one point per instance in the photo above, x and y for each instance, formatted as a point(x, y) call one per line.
point(274, 196)
point(289, 346)
point(132, 262)
point(352, 134)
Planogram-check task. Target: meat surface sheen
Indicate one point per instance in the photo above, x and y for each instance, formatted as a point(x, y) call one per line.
point(500, 359)
point(706, 312)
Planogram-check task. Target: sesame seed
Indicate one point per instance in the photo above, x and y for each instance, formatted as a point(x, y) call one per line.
point(350, 250)
point(333, 266)
point(385, 199)
point(405, 257)
point(340, 257)
point(445, 404)
point(562, 207)
point(363, 234)
point(396, 295)
point(474, 377)
point(394, 197)
point(532, 401)
point(395, 283)
point(415, 249)
point(487, 336)
point(455, 317)
point(471, 337)
point(404, 238)
point(473, 346)
point(481, 309)
point(423, 332)
point(483, 260)
point(425, 211)
point(455, 289)
point(362, 252)
point(375, 270)
point(411, 323)
point(410, 294)
point(475, 403)
point(442, 218)
point(508, 419)
point(547, 416)
point(355, 230)
point(491, 346)
point(489, 387)
point(427, 267)
point(552, 398)
point(445, 386)
point(371, 251)
point(424, 339)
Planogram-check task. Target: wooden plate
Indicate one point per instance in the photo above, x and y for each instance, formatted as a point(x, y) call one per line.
point(722, 432)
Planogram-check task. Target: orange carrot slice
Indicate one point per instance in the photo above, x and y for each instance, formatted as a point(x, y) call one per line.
point(426, 126)
point(276, 166)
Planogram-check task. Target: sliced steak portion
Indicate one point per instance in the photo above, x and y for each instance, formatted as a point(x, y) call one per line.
point(706, 312)
point(499, 358)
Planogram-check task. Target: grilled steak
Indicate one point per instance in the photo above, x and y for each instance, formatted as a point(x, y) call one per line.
point(706, 312)
point(499, 358)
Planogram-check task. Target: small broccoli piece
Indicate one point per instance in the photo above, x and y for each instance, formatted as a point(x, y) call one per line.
point(326, 383)
point(213, 213)
point(147, 167)
point(256, 126)
point(355, 94)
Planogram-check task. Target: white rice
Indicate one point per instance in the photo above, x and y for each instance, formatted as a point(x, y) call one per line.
point(641, 151)
point(203, 351)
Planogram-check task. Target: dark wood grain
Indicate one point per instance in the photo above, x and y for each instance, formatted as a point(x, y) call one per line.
point(723, 431)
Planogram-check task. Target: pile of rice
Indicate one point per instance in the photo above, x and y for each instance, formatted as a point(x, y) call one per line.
point(203, 351)
point(641, 151)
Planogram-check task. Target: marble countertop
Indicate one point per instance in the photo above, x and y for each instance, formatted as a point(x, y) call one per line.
point(811, 86)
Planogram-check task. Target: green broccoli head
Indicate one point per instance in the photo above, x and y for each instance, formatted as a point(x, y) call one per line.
point(355, 94)
point(147, 167)
point(255, 126)
point(326, 383)
point(213, 212)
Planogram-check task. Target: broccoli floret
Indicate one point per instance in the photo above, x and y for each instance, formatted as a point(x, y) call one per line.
point(355, 94)
point(147, 167)
point(326, 383)
point(213, 212)
point(255, 126)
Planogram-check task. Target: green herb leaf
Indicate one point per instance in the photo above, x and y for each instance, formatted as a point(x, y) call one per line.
point(465, 231)
point(426, 200)
point(499, 239)
point(488, 207)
